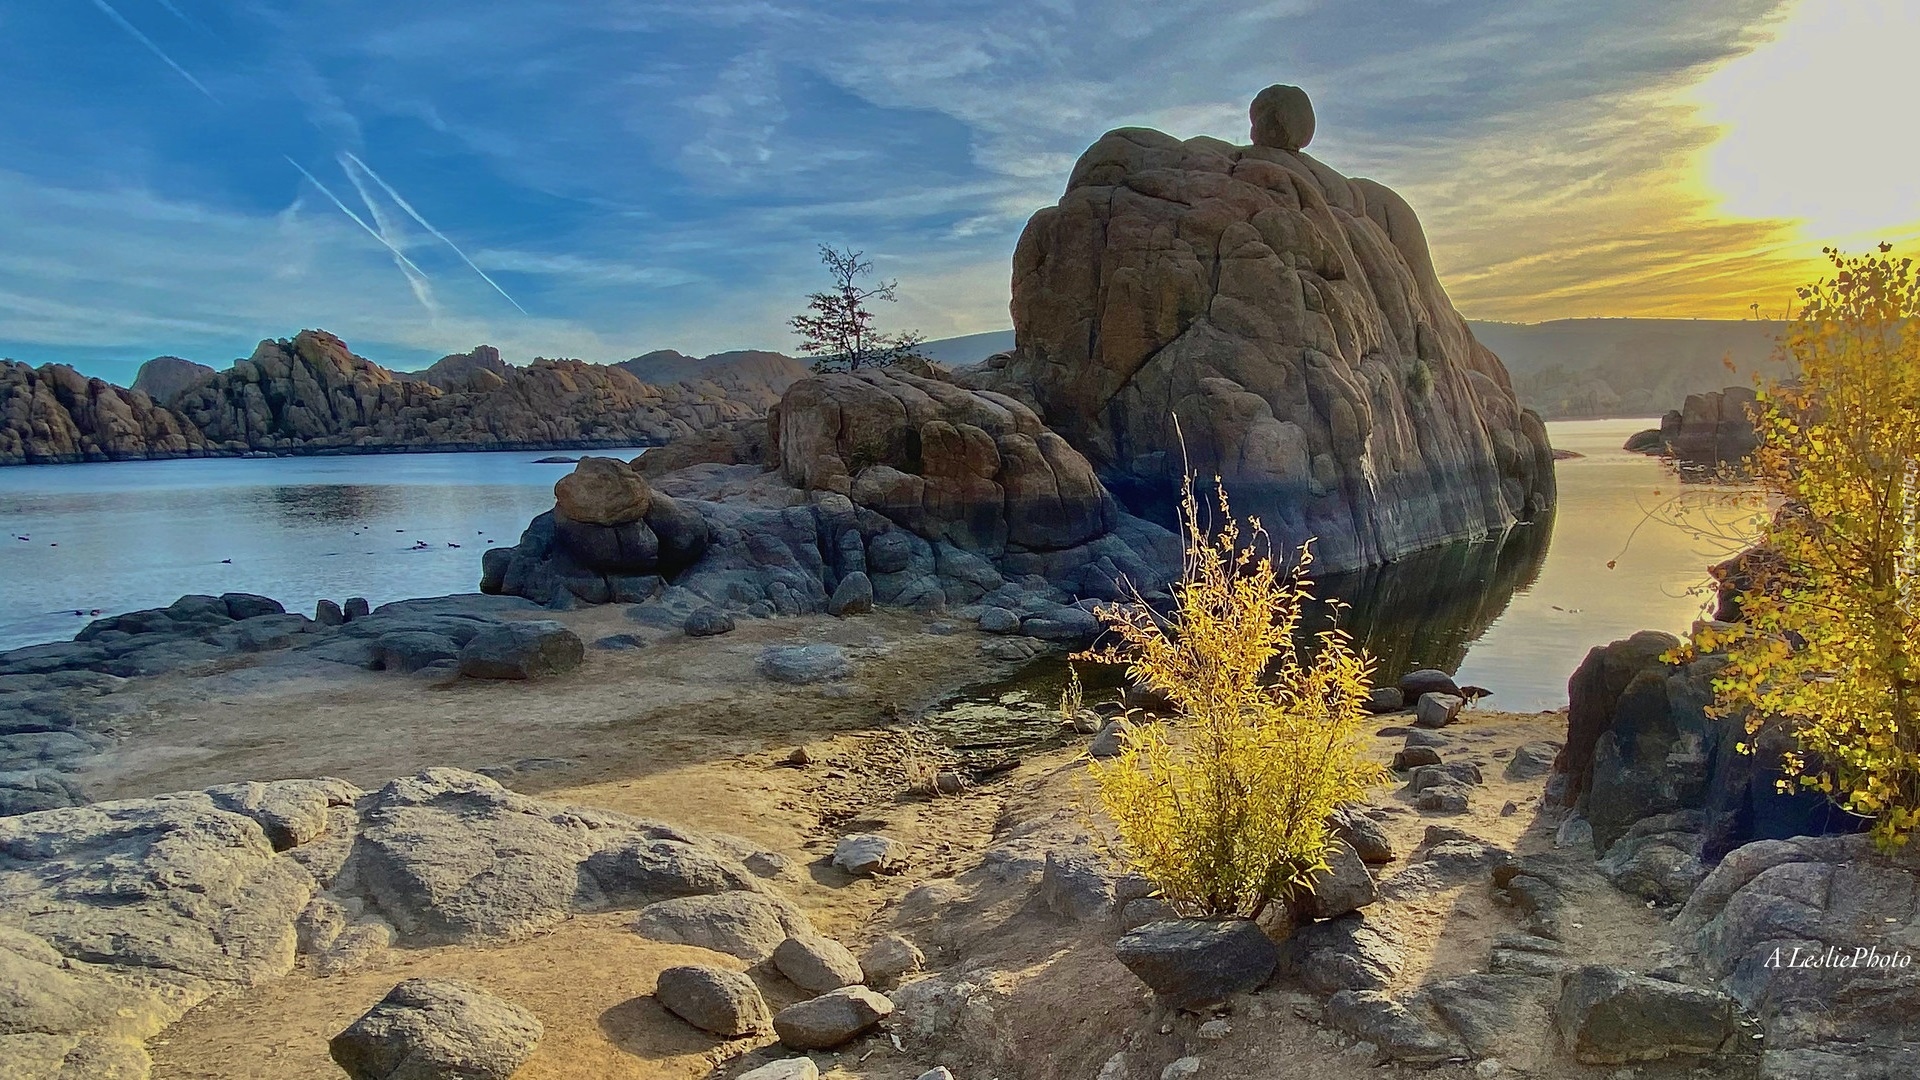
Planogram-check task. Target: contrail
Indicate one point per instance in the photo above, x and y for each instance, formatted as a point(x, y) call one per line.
point(416, 277)
point(425, 224)
point(114, 14)
point(421, 290)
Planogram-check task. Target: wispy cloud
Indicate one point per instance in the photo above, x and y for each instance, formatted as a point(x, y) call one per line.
point(416, 278)
point(114, 13)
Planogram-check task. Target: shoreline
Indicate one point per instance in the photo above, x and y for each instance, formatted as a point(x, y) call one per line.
point(341, 451)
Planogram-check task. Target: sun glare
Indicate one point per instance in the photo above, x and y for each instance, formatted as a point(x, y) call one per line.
point(1813, 124)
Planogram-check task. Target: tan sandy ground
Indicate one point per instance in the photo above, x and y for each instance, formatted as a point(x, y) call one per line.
point(685, 731)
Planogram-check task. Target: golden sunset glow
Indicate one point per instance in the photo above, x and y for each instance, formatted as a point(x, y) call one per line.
point(1814, 124)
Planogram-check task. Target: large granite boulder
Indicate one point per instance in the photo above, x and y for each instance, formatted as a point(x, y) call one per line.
point(1709, 429)
point(975, 469)
point(1248, 312)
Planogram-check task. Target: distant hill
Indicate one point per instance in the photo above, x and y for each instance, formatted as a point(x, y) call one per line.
point(457, 369)
point(1573, 368)
point(1568, 368)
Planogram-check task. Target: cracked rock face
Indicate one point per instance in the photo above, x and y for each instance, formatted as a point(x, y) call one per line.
point(1284, 325)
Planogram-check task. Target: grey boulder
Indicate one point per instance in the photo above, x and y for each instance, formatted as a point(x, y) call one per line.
point(437, 1029)
point(522, 650)
point(1607, 1016)
point(817, 964)
point(1190, 963)
point(832, 1019)
point(800, 665)
point(713, 999)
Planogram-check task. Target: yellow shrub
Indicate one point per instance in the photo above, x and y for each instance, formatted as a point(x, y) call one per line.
point(1830, 636)
point(1225, 809)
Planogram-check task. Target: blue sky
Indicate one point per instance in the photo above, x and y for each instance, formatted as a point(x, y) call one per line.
point(603, 177)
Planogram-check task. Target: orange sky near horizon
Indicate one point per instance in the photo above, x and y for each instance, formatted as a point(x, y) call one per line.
point(1694, 200)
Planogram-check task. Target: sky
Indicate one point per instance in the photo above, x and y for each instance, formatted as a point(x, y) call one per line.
point(599, 178)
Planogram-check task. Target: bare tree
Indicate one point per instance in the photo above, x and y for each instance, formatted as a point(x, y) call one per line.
point(838, 330)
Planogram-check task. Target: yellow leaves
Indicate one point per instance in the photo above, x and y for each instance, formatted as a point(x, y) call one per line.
point(1225, 808)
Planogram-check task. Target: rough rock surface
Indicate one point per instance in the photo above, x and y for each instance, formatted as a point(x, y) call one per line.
point(724, 1002)
point(1189, 963)
point(120, 916)
point(1291, 320)
point(441, 1029)
point(1640, 744)
point(1708, 430)
point(816, 963)
point(1607, 1016)
point(55, 414)
point(164, 378)
point(830, 1020)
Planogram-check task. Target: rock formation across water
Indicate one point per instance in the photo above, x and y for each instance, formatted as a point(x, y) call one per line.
point(312, 394)
point(1708, 430)
point(1249, 312)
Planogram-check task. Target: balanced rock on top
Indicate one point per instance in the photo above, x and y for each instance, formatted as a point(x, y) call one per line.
point(1282, 118)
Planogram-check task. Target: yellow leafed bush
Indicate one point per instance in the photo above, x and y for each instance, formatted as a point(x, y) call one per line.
point(1829, 641)
point(1225, 809)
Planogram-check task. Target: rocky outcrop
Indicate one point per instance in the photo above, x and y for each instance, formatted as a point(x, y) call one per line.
point(117, 918)
point(164, 378)
point(311, 394)
point(896, 488)
point(975, 469)
point(55, 415)
point(1247, 311)
point(462, 371)
point(1708, 430)
point(750, 376)
point(1648, 767)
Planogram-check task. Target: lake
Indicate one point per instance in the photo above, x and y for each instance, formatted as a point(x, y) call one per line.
point(1514, 615)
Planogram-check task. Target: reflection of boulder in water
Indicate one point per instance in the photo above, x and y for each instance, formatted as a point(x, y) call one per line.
point(1425, 610)
point(353, 503)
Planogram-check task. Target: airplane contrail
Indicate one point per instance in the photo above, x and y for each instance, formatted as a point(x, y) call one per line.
point(416, 277)
point(114, 14)
point(427, 225)
point(422, 291)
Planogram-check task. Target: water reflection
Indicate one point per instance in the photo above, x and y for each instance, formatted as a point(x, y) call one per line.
point(333, 503)
point(1426, 610)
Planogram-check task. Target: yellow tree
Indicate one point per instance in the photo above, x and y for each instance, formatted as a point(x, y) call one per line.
point(1225, 809)
point(1829, 642)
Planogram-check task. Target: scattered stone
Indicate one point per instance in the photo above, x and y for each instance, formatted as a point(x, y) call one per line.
point(743, 924)
point(817, 963)
point(1191, 963)
point(1110, 741)
point(1367, 836)
point(890, 958)
point(328, 613)
point(1345, 886)
point(1417, 737)
point(620, 642)
point(1532, 760)
point(708, 622)
point(831, 1019)
point(867, 854)
point(938, 1072)
point(1181, 1069)
point(713, 999)
point(1385, 699)
point(433, 1028)
point(1414, 757)
point(1492, 1014)
point(801, 665)
point(1437, 710)
point(1215, 1030)
point(1509, 808)
point(1447, 798)
point(1427, 681)
point(356, 607)
point(522, 650)
point(1348, 953)
point(1607, 1016)
point(1463, 773)
point(798, 1068)
point(1378, 1019)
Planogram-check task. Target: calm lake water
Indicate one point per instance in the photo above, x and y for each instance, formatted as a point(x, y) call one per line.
point(1515, 616)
